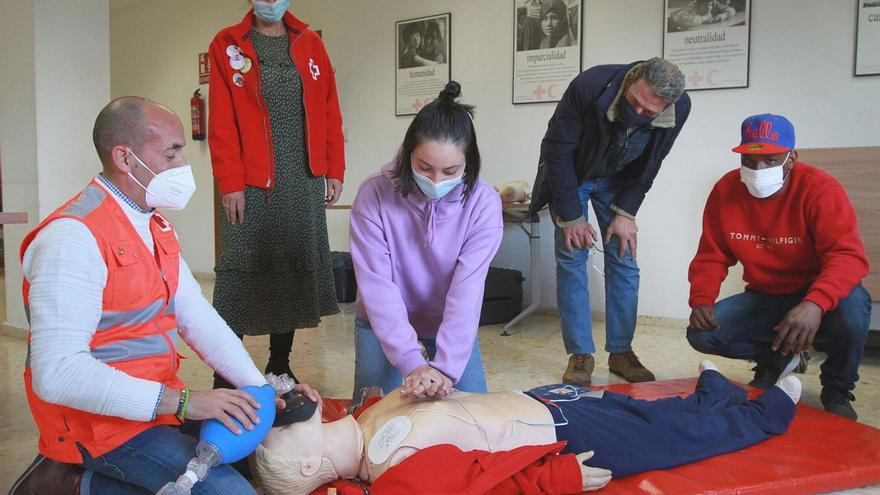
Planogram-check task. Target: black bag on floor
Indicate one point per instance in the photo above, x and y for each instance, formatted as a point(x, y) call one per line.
point(503, 296)
point(343, 276)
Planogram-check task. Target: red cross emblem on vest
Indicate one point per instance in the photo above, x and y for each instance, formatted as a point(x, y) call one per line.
point(314, 69)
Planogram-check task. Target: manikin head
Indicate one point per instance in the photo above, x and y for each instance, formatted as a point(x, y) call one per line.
point(298, 458)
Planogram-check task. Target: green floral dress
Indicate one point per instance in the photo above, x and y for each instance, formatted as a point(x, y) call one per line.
point(274, 274)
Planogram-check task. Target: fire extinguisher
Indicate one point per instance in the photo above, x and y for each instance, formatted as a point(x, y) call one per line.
point(197, 112)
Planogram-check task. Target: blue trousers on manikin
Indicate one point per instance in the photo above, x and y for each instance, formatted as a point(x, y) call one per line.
point(621, 279)
point(631, 436)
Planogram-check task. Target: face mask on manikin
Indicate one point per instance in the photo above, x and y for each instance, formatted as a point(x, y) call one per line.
point(765, 182)
point(436, 190)
point(170, 188)
point(270, 12)
point(627, 115)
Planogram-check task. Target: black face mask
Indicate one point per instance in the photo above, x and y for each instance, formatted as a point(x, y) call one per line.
point(628, 117)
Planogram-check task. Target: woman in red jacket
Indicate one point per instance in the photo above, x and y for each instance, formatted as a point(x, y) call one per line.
point(275, 135)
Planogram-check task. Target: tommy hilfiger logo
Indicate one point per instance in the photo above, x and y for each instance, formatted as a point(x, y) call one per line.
point(763, 132)
point(314, 69)
point(763, 241)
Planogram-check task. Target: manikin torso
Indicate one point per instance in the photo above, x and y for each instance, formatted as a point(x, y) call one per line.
point(501, 416)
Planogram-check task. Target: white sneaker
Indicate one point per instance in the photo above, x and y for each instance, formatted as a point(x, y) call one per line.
point(707, 365)
point(791, 386)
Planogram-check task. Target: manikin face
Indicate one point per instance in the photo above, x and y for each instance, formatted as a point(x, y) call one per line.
point(438, 161)
point(314, 447)
point(551, 23)
point(299, 441)
point(292, 459)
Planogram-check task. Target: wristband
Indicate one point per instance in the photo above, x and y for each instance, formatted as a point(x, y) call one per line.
point(181, 405)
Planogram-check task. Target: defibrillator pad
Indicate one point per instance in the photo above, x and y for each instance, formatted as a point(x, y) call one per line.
point(388, 438)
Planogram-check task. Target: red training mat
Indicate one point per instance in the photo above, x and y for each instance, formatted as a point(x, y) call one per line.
point(820, 452)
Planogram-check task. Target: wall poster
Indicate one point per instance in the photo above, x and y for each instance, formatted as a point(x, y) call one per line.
point(422, 51)
point(546, 48)
point(867, 38)
point(709, 41)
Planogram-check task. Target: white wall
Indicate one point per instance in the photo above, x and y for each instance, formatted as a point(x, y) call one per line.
point(801, 66)
point(154, 47)
point(72, 47)
point(55, 79)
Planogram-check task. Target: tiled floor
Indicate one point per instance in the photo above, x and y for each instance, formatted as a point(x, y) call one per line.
point(324, 357)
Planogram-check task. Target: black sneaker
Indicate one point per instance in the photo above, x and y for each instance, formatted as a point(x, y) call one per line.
point(767, 373)
point(839, 401)
point(279, 369)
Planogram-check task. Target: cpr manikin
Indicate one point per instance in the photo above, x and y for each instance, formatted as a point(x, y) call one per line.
point(300, 457)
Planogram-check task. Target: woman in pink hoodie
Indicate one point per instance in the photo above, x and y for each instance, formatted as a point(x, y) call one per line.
point(423, 232)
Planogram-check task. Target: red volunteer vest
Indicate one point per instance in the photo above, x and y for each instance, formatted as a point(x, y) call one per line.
point(137, 332)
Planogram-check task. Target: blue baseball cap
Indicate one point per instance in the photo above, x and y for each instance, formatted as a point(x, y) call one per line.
point(766, 134)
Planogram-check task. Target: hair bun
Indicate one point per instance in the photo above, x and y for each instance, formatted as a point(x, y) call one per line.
point(451, 91)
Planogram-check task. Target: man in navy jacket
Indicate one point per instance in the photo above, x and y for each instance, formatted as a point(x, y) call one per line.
point(604, 144)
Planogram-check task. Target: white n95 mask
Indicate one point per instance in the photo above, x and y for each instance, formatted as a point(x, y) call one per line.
point(170, 188)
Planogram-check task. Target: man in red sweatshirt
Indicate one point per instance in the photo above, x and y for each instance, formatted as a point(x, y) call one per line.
point(795, 232)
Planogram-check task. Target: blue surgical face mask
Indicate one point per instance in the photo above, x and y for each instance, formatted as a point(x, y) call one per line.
point(436, 190)
point(270, 12)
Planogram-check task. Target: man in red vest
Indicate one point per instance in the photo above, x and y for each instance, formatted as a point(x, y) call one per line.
point(796, 234)
point(107, 293)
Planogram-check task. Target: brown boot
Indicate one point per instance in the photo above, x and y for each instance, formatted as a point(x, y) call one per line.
point(47, 477)
point(627, 365)
point(580, 370)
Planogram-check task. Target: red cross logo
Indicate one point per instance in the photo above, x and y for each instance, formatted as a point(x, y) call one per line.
point(417, 104)
point(695, 78)
point(314, 69)
point(539, 92)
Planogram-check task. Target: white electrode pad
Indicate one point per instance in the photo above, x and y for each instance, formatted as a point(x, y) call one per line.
point(577, 394)
point(388, 438)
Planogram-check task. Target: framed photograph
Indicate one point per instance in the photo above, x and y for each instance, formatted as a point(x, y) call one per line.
point(546, 48)
point(422, 61)
point(709, 41)
point(867, 57)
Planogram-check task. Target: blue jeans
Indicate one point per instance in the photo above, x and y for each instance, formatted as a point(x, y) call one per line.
point(372, 368)
point(746, 324)
point(621, 280)
point(149, 460)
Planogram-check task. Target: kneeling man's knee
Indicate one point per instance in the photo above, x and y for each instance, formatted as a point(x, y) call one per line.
point(701, 340)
